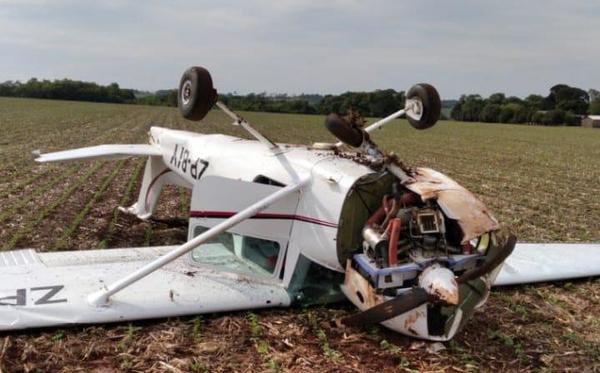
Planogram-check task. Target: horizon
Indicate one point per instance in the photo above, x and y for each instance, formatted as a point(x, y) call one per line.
point(275, 94)
point(309, 47)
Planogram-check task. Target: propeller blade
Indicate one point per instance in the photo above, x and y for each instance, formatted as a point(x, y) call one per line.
point(387, 310)
point(491, 263)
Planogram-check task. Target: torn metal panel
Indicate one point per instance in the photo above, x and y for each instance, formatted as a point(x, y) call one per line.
point(457, 203)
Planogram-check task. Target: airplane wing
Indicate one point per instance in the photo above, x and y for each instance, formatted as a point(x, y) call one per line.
point(539, 262)
point(101, 151)
point(64, 288)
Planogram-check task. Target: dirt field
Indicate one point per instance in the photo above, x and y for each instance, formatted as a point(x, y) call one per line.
point(544, 183)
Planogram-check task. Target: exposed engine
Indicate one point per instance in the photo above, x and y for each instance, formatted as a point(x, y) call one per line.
point(405, 229)
point(405, 235)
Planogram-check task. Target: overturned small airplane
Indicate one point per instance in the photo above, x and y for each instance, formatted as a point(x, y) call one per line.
point(279, 225)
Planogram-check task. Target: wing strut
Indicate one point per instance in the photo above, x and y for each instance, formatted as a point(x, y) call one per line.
point(239, 121)
point(102, 297)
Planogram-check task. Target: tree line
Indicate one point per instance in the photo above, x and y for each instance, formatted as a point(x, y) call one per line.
point(377, 103)
point(563, 105)
point(66, 89)
point(371, 104)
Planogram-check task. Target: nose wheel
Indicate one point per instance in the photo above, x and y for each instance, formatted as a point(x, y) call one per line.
point(346, 132)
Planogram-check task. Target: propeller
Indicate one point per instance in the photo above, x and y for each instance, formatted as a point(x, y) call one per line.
point(436, 284)
point(413, 298)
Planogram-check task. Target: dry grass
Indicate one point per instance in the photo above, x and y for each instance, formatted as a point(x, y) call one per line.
point(542, 182)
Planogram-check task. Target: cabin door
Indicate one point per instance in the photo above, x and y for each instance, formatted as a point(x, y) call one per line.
point(256, 246)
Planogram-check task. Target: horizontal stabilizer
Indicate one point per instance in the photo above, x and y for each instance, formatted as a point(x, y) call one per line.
point(541, 262)
point(101, 151)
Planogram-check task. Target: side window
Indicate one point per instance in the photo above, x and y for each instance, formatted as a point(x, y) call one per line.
point(237, 252)
point(261, 252)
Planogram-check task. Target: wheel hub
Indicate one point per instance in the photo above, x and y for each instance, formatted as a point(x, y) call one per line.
point(414, 108)
point(186, 92)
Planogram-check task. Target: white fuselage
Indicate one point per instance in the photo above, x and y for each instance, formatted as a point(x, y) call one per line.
point(213, 164)
point(46, 289)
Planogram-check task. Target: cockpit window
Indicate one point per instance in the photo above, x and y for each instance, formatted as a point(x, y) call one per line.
point(246, 254)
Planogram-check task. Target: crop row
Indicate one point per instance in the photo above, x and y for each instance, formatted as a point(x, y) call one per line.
point(63, 241)
point(22, 184)
point(44, 213)
point(125, 200)
point(130, 133)
point(129, 125)
point(10, 211)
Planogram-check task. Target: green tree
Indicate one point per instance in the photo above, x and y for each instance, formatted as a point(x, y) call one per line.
point(468, 108)
point(554, 117)
point(572, 119)
point(513, 113)
point(456, 112)
point(496, 98)
point(506, 114)
point(490, 113)
point(568, 98)
point(513, 100)
point(595, 106)
point(537, 117)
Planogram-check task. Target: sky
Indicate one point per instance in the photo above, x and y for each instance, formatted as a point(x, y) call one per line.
point(310, 46)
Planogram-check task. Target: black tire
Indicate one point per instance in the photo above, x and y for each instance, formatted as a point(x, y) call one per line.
point(196, 95)
point(432, 105)
point(344, 131)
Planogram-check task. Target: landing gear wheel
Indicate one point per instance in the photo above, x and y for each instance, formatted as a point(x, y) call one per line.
point(423, 106)
point(344, 131)
point(196, 95)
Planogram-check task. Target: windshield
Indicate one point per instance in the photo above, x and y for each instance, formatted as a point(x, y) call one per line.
point(245, 254)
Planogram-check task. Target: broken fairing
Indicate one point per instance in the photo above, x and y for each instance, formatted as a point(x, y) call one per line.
point(457, 203)
point(422, 236)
